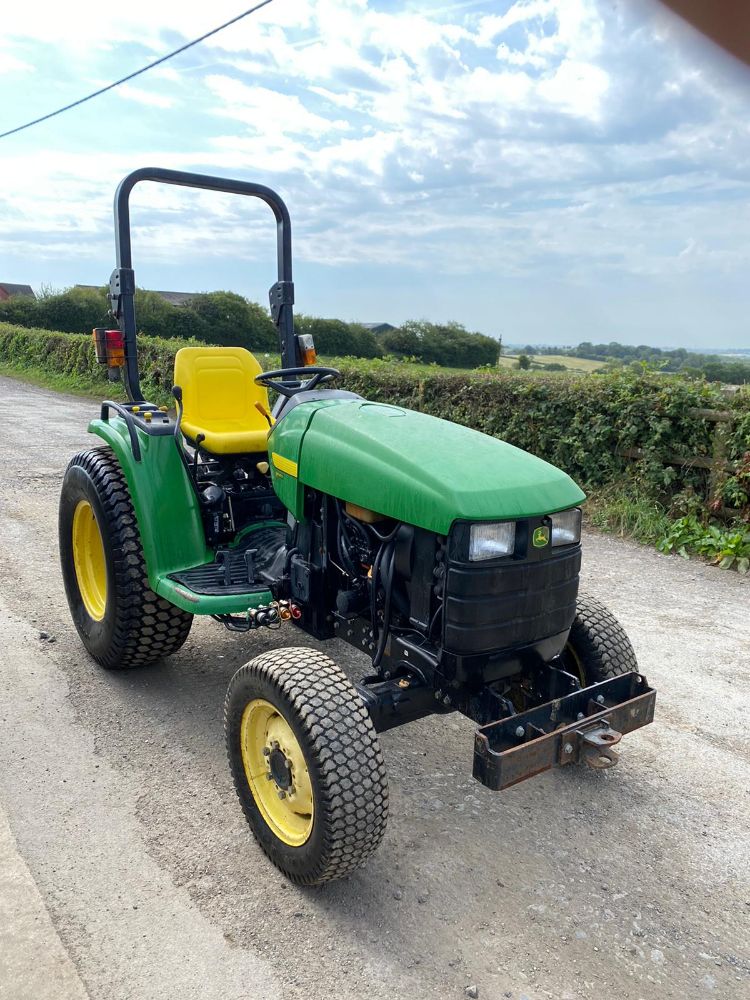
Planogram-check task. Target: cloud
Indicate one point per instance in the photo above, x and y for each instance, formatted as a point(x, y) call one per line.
point(265, 110)
point(11, 64)
point(557, 140)
point(142, 96)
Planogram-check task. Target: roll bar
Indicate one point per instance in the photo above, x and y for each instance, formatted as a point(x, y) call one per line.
point(122, 281)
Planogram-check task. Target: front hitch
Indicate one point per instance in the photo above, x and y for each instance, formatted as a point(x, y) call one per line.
point(592, 745)
point(579, 728)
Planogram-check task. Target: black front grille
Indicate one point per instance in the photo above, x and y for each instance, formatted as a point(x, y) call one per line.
point(495, 606)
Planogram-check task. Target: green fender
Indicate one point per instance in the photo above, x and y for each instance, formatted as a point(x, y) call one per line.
point(169, 519)
point(165, 504)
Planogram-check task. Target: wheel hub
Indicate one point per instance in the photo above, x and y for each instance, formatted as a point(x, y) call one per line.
point(89, 560)
point(280, 768)
point(277, 772)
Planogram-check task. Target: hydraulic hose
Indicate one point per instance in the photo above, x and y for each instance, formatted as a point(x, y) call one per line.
point(388, 581)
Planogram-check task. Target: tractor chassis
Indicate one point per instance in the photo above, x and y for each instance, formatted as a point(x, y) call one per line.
point(576, 726)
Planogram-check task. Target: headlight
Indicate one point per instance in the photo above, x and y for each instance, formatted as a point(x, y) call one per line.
point(489, 541)
point(566, 527)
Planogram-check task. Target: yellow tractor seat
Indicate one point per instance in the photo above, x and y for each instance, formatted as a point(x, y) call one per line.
point(218, 399)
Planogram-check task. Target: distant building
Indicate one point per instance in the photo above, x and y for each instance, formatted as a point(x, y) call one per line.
point(175, 298)
point(378, 328)
point(8, 291)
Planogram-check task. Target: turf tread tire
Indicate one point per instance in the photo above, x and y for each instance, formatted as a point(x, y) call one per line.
point(343, 755)
point(141, 627)
point(600, 642)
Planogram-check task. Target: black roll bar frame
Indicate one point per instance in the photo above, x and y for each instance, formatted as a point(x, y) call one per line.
point(122, 281)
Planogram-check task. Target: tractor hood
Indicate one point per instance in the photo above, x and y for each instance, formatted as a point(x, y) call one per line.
point(410, 466)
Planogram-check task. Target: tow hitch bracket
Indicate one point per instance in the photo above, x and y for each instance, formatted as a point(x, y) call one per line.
point(582, 727)
point(591, 745)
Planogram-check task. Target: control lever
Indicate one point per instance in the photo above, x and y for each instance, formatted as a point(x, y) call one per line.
point(250, 555)
point(224, 559)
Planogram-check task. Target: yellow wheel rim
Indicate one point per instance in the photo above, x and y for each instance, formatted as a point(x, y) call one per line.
point(577, 663)
point(276, 772)
point(89, 560)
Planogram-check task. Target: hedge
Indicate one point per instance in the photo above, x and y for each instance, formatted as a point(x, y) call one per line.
point(582, 425)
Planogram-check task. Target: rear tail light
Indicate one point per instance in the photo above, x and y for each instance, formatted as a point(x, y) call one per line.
point(115, 348)
point(109, 346)
point(100, 344)
point(307, 351)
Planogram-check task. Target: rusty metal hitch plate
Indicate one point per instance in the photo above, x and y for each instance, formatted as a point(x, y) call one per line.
point(580, 728)
point(592, 745)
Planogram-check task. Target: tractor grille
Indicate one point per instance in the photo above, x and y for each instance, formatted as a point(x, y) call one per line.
point(489, 608)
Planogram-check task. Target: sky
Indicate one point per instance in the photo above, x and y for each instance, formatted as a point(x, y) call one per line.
point(545, 171)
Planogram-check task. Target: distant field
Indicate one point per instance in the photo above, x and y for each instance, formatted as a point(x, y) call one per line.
point(571, 364)
point(507, 362)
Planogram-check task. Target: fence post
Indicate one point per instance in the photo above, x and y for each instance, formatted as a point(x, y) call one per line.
point(718, 473)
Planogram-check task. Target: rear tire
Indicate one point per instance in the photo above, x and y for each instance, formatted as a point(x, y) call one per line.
point(121, 621)
point(597, 648)
point(293, 715)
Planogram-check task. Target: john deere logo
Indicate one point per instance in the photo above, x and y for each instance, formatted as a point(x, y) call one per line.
point(540, 538)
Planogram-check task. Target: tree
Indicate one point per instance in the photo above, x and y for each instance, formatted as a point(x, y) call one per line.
point(155, 317)
point(77, 310)
point(403, 342)
point(21, 310)
point(335, 337)
point(449, 344)
point(232, 320)
point(524, 362)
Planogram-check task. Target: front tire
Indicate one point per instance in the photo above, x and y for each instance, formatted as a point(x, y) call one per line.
point(306, 764)
point(597, 648)
point(121, 621)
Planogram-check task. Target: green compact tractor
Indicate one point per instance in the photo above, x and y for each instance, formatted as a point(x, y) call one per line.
point(450, 559)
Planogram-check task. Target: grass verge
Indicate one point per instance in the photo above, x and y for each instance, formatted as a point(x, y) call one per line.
point(73, 385)
point(631, 513)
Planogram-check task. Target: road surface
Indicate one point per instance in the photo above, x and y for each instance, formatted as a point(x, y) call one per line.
point(631, 883)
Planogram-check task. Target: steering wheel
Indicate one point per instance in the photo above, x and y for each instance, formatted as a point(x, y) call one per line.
point(273, 379)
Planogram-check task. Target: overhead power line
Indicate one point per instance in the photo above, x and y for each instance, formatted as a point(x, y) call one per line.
point(143, 69)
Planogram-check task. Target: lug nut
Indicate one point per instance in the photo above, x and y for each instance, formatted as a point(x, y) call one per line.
point(568, 748)
point(282, 795)
point(520, 731)
point(266, 752)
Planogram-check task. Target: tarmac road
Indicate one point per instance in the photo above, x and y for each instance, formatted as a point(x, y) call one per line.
point(631, 883)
